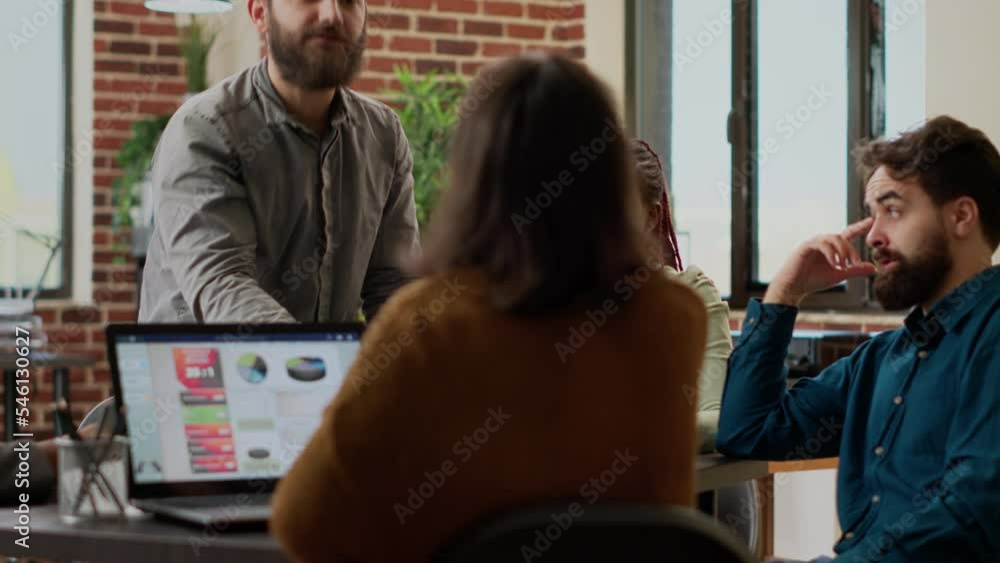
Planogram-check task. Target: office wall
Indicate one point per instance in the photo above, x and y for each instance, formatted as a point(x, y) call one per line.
point(962, 77)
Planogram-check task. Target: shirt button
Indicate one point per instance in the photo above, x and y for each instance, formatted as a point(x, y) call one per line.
point(876, 499)
point(898, 400)
point(752, 321)
point(879, 451)
point(922, 354)
point(849, 535)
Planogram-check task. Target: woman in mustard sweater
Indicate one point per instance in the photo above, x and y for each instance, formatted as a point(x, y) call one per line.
point(528, 361)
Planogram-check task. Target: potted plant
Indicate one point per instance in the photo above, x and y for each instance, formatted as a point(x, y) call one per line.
point(131, 192)
point(196, 42)
point(428, 107)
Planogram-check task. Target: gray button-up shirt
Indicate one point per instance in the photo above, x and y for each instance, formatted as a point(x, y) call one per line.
point(258, 220)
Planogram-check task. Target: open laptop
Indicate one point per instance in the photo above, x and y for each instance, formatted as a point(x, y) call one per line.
point(216, 414)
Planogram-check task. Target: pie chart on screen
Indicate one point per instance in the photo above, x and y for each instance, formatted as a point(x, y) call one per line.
point(251, 368)
point(306, 368)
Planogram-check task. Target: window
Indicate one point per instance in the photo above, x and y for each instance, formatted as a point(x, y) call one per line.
point(35, 186)
point(757, 110)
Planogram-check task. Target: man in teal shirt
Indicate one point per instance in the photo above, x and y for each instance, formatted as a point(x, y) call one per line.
point(913, 414)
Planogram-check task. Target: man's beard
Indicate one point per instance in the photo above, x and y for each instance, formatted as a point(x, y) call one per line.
point(315, 71)
point(913, 282)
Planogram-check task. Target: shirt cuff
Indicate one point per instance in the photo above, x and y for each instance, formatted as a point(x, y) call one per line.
point(768, 320)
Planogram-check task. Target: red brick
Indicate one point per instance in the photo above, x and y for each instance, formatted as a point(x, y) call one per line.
point(131, 48)
point(496, 50)
point(100, 46)
point(410, 44)
point(111, 26)
point(386, 64)
point(101, 161)
point(129, 8)
point(565, 11)
point(367, 84)
point(60, 336)
point(410, 4)
point(97, 335)
point(112, 143)
point(160, 69)
point(525, 31)
point(375, 42)
point(437, 25)
point(426, 65)
point(114, 296)
point(168, 50)
point(100, 6)
point(174, 88)
point(114, 66)
point(515, 9)
point(118, 316)
point(482, 28)
point(100, 200)
point(101, 376)
point(382, 20)
point(568, 32)
point(158, 29)
point(459, 48)
point(157, 108)
point(81, 315)
point(470, 69)
point(463, 6)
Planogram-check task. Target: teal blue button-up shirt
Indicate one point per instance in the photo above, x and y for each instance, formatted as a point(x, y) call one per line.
point(913, 414)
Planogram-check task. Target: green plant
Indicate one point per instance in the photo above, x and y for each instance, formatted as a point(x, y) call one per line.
point(196, 42)
point(134, 158)
point(428, 106)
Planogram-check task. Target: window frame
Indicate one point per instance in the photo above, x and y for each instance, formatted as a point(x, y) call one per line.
point(866, 119)
point(65, 288)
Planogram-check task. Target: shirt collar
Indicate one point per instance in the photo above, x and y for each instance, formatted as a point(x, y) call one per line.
point(947, 313)
point(274, 107)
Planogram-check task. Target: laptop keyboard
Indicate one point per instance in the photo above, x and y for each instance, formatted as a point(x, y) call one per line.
point(217, 501)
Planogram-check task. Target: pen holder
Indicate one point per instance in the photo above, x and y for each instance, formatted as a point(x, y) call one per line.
point(92, 478)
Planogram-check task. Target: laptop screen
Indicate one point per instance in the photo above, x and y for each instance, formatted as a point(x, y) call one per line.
point(222, 407)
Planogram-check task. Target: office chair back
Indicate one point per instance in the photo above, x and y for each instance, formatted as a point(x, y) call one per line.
point(611, 533)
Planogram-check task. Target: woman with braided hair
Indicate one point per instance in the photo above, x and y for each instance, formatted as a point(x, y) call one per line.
point(712, 379)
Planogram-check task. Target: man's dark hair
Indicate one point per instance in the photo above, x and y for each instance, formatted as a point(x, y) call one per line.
point(949, 160)
point(549, 227)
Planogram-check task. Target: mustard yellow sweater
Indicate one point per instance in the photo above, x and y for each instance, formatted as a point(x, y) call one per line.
point(454, 411)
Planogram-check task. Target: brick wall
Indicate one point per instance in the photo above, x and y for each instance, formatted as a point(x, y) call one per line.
point(138, 73)
point(461, 35)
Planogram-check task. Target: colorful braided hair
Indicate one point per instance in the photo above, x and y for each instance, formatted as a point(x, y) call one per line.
point(653, 183)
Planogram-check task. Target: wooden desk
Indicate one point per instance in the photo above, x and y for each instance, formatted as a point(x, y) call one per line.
point(765, 491)
point(138, 539)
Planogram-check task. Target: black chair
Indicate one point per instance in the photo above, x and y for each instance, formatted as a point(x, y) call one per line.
point(604, 532)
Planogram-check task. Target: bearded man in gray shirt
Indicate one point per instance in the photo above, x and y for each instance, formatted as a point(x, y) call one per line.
point(280, 194)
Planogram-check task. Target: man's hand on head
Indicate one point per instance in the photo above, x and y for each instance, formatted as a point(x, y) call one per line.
point(820, 263)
